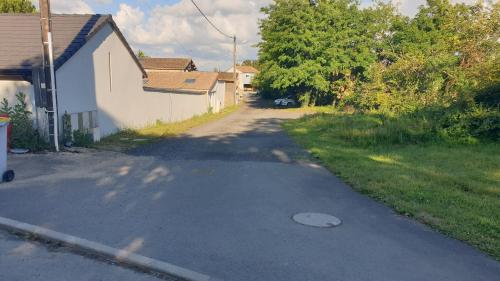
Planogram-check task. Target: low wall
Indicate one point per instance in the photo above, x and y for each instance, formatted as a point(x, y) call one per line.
point(9, 89)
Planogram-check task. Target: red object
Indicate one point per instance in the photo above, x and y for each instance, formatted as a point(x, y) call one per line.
point(9, 129)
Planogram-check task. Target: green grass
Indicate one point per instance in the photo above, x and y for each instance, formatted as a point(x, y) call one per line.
point(128, 139)
point(451, 187)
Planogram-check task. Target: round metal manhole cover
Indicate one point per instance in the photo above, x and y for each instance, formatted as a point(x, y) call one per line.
point(317, 220)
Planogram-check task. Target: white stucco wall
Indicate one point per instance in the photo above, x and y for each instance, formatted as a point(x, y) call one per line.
point(103, 76)
point(9, 89)
point(246, 78)
point(219, 96)
point(173, 107)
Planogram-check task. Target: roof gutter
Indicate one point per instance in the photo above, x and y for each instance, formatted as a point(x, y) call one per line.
point(180, 91)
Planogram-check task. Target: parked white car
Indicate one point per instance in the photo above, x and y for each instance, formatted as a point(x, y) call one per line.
point(288, 101)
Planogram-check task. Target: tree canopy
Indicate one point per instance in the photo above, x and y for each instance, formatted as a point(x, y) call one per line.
point(17, 6)
point(141, 54)
point(335, 52)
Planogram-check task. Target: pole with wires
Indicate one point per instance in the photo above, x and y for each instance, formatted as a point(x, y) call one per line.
point(48, 85)
point(228, 36)
point(235, 87)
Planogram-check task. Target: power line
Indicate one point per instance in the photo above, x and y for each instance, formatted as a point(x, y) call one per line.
point(210, 22)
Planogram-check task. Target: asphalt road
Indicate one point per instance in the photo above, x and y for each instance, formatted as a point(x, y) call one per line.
point(219, 201)
point(22, 260)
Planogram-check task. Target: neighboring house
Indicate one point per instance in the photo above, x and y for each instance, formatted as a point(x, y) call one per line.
point(230, 91)
point(168, 64)
point(101, 84)
point(99, 79)
point(191, 93)
point(246, 75)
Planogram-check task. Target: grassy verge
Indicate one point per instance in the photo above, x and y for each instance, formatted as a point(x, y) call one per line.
point(128, 139)
point(454, 188)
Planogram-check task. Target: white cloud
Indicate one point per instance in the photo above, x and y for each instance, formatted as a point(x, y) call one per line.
point(68, 7)
point(178, 29)
point(410, 7)
point(103, 1)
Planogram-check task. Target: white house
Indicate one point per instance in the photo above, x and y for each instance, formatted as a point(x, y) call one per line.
point(191, 93)
point(246, 74)
point(99, 78)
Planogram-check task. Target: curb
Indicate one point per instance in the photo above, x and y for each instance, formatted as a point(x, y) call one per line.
point(119, 256)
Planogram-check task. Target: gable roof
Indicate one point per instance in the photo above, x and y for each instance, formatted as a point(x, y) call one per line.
point(21, 46)
point(167, 63)
point(246, 69)
point(227, 76)
point(195, 81)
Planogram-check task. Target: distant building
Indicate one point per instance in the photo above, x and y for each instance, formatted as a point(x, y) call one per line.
point(231, 96)
point(194, 92)
point(168, 64)
point(246, 74)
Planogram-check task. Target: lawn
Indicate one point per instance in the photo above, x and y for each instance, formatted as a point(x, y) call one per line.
point(128, 139)
point(451, 187)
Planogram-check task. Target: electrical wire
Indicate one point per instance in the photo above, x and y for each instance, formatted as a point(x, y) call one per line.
point(210, 22)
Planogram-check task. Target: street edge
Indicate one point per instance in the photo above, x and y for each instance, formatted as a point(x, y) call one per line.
point(119, 256)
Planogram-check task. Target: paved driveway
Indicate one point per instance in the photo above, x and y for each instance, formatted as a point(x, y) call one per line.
point(219, 201)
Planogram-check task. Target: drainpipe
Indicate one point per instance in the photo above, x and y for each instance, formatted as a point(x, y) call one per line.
point(54, 93)
point(49, 78)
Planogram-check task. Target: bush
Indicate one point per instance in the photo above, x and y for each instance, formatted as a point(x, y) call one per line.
point(83, 138)
point(66, 129)
point(431, 125)
point(472, 126)
point(489, 96)
point(23, 134)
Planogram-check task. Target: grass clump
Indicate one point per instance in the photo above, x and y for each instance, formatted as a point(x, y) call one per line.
point(418, 165)
point(131, 138)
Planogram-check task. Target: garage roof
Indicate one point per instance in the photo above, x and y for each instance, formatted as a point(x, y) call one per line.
point(195, 81)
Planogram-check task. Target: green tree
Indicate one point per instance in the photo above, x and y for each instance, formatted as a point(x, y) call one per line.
point(315, 52)
point(17, 6)
point(253, 63)
point(140, 54)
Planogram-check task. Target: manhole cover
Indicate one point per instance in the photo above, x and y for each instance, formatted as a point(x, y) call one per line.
point(317, 220)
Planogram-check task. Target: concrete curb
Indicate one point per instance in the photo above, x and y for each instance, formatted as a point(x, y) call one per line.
point(116, 255)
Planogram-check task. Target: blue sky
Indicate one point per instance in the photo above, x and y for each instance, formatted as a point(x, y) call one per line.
point(173, 28)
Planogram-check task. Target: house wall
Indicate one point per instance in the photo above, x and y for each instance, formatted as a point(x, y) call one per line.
point(103, 76)
point(174, 107)
point(246, 79)
point(229, 98)
point(219, 96)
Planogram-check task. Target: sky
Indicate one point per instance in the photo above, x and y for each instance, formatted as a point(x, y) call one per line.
point(174, 28)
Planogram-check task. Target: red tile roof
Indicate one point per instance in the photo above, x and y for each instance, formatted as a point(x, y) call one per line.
point(247, 69)
point(181, 81)
point(168, 64)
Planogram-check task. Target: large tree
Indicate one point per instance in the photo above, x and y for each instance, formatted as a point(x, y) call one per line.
point(336, 52)
point(17, 6)
point(314, 52)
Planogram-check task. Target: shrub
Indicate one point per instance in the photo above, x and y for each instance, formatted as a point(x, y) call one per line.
point(472, 126)
point(489, 96)
point(23, 134)
point(83, 138)
point(66, 128)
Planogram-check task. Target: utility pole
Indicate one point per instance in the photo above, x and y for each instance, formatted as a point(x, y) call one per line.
point(48, 78)
point(234, 71)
